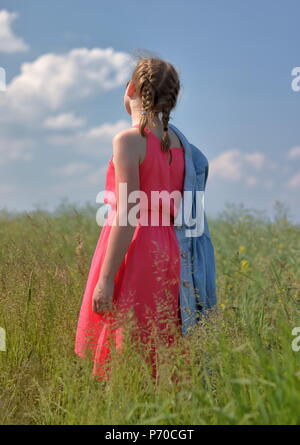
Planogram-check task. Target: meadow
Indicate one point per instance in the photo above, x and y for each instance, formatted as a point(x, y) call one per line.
point(242, 368)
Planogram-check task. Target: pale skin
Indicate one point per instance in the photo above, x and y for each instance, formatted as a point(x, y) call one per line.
point(129, 149)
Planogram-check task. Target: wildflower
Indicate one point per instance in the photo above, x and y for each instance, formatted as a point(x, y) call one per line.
point(244, 265)
point(222, 306)
point(242, 249)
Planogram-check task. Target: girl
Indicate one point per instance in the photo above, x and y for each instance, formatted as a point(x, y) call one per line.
point(135, 269)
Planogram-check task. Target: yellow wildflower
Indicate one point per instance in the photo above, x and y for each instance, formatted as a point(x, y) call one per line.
point(242, 249)
point(244, 265)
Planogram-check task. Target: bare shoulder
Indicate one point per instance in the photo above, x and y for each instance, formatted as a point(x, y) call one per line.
point(128, 143)
point(129, 135)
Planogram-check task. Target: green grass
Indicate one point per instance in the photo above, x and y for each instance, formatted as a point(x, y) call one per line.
point(242, 369)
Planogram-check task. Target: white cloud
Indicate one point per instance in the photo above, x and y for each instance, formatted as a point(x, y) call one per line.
point(106, 130)
point(96, 140)
point(227, 165)
point(54, 81)
point(63, 121)
point(234, 165)
point(251, 180)
point(294, 152)
point(13, 149)
point(5, 189)
point(256, 159)
point(9, 42)
point(294, 182)
point(45, 93)
point(72, 169)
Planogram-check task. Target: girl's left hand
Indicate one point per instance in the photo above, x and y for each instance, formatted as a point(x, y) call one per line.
point(103, 296)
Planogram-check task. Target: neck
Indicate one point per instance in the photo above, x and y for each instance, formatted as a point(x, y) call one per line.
point(136, 116)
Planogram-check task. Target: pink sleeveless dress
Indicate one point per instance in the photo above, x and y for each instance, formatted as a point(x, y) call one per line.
point(147, 281)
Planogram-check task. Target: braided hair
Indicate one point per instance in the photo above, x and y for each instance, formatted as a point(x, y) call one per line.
point(157, 83)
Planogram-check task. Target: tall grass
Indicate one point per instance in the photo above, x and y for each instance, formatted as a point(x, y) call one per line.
point(241, 368)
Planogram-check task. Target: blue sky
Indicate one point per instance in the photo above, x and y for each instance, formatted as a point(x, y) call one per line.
point(66, 65)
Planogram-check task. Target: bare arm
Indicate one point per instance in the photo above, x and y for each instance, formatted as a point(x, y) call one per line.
point(126, 162)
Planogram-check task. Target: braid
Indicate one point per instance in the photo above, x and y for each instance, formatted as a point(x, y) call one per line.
point(166, 138)
point(147, 101)
point(158, 86)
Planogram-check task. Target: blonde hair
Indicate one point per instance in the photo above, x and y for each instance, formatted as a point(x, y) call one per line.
point(157, 83)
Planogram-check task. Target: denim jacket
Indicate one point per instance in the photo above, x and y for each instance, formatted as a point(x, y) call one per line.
point(197, 258)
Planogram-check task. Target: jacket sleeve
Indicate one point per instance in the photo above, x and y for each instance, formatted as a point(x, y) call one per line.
point(206, 174)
